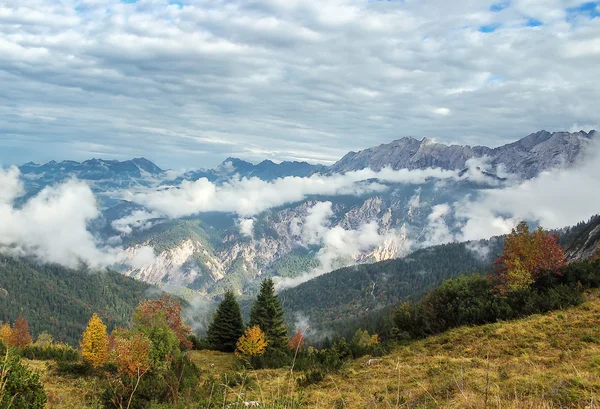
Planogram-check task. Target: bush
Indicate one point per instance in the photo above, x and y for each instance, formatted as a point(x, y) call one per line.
point(74, 369)
point(311, 377)
point(22, 388)
point(272, 358)
point(57, 352)
point(198, 344)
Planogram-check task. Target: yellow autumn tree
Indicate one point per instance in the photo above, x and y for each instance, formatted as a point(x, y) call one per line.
point(6, 334)
point(252, 343)
point(94, 345)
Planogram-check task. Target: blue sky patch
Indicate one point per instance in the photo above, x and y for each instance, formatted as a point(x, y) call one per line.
point(496, 7)
point(490, 28)
point(532, 22)
point(589, 9)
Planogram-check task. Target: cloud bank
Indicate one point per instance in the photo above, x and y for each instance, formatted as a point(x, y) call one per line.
point(52, 225)
point(249, 197)
point(555, 199)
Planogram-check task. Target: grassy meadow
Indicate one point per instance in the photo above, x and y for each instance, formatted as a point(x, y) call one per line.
point(543, 361)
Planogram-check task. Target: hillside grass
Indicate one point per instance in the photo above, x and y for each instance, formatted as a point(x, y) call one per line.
point(543, 361)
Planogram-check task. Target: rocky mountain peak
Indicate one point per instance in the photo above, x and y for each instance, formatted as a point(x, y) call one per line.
point(526, 157)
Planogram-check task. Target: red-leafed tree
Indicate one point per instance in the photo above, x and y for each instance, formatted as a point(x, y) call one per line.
point(149, 311)
point(526, 257)
point(297, 341)
point(20, 336)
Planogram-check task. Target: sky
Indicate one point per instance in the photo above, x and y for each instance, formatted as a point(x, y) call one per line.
point(188, 83)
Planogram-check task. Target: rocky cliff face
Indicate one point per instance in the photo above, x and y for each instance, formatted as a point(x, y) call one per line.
point(526, 158)
point(584, 241)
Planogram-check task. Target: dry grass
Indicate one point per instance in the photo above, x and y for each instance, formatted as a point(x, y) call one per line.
point(549, 361)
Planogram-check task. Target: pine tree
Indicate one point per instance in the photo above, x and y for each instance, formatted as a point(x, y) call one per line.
point(94, 345)
point(227, 325)
point(20, 336)
point(268, 315)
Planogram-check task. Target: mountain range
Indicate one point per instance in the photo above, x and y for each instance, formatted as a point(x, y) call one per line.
point(210, 252)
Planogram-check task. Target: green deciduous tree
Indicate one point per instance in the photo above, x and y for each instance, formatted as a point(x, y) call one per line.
point(268, 315)
point(227, 325)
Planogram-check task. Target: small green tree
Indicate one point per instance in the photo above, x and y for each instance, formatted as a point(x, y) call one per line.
point(268, 315)
point(227, 325)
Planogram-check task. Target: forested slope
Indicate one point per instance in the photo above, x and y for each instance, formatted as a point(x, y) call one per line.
point(61, 301)
point(355, 291)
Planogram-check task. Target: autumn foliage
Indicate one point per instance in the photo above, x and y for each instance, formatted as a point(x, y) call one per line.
point(6, 334)
point(526, 257)
point(149, 311)
point(20, 336)
point(132, 354)
point(94, 343)
point(252, 343)
point(297, 341)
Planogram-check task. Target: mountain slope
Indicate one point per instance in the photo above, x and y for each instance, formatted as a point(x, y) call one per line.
point(61, 301)
point(583, 240)
point(544, 361)
point(352, 292)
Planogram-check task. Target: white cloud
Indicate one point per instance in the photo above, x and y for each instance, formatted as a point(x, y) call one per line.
point(554, 199)
point(52, 226)
point(437, 231)
point(247, 227)
point(442, 111)
point(248, 197)
point(138, 219)
point(340, 247)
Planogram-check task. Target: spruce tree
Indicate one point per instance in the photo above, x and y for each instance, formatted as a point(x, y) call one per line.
point(268, 315)
point(227, 325)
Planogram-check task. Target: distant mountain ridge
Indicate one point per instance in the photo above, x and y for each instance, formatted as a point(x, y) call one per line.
point(526, 157)
point(95, 168)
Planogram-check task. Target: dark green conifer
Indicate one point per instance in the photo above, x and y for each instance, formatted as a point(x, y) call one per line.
point(268, 315)
point(227, 325)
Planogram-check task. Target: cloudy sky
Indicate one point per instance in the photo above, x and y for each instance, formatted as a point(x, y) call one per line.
point(187, 83)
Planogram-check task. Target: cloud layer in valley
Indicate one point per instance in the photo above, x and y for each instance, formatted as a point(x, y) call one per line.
point(52, 225)
point(555, 199)
point(190, 82)
point(248, 197)
point(340, 247)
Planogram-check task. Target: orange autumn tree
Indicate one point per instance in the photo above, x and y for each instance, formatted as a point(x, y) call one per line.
point(20, 336)
point(526, 257)
point(297, 341)
point(94, 343)
point(252, 343)
point(149, 311)
point(132, 354)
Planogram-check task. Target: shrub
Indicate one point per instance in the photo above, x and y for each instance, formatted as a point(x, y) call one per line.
point(311, 377)
point(21, 387)
point(56, 352)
